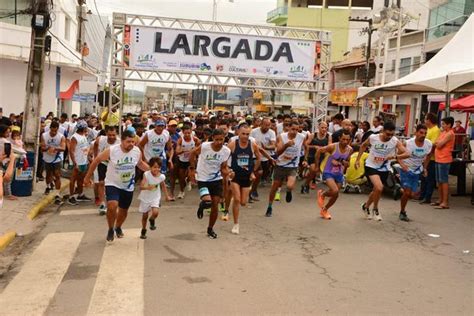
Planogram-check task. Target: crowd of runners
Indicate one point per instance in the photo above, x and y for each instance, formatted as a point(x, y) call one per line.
point(227, 156)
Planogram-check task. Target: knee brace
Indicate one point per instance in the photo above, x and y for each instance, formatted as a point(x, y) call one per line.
point(205, 204)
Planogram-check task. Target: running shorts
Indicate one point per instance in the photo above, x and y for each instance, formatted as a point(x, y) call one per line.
point(282, 173)
point(123, 197)
point(382, 174)
point(337, 177)
point(102, 170)
point(409, 180)
point(214, 188)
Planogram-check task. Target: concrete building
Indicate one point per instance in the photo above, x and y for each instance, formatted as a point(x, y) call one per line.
point(69, 79)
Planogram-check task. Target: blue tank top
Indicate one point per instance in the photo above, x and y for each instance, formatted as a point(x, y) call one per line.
point(242, 160)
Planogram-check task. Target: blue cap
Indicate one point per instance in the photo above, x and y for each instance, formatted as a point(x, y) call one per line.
point(160, 123)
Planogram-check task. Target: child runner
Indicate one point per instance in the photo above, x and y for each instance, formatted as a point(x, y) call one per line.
point(337, 158)
point(150, 194)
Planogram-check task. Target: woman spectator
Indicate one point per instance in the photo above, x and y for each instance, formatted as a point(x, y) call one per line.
point(443, 158)
point(5, 143)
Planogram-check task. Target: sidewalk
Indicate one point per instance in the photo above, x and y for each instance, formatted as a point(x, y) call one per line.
point(14, 219)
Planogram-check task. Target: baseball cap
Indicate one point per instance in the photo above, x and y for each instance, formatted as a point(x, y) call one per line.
point(94, 114)
point(187, 119)
point(172, 122)
point(160, 123)
point(81, 124)
point(154, 112)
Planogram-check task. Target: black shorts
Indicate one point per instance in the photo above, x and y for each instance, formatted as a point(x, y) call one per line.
point(311, 160)
point(243, 182)
point(102, 171)
point(265, 165)
point(215, 188)
point(123, 197)
point(371, 172)
point(52, 166)
point(183, 164)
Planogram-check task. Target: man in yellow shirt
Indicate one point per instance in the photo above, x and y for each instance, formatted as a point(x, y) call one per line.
point(110, 117)
point(428, 183)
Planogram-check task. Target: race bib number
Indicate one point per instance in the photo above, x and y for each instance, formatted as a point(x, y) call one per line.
point(125, 177)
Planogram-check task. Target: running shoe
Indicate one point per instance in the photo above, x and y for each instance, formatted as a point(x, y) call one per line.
point(377, 216)
point(222, 207)
point(83, 198)
point(403, 217)
point(211, 233)
point(269, 211)
point(152, 224)
point(277, 196)
point(200, 212)
point(110, 235)
point(289, 196)
point(143, 234)
point(119, 232)
point(254, 196)
point(189, 186)
point(366, 212)
point(320, 199)
point(327, 215)
point(47, 190)
point(181, 195)
point(58, 200)
point(102, 210)
point(306, 189)
point(225, 216)
point(72, 201)
point(235, 229)
point(303, 189)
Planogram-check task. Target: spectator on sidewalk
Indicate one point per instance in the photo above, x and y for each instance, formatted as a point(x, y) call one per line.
point(443, 158)
point(6, 177)
point(428, 183)
point(460, 133)
point(5, 132)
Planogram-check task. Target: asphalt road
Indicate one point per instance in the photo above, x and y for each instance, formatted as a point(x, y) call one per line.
point(292, 263)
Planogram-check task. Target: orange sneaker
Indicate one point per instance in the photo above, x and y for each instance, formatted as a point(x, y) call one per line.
point(327, 215)
point(320, 198)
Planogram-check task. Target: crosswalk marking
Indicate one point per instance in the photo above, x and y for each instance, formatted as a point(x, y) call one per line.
point(30, 292)
point(95, 211)
point(119, 285)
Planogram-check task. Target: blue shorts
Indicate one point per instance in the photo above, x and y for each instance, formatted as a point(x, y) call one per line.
point(409, 180)
point(338, 177)
point(123, 197)
point(442, 172)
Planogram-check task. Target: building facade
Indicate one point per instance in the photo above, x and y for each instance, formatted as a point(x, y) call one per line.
point(70, 78)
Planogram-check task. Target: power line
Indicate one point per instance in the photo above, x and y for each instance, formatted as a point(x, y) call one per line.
point(73, 53)
point(98, 13)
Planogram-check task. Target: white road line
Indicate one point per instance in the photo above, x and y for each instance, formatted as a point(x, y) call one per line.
point(119, 285)
point(88, 211)
point(31, 291)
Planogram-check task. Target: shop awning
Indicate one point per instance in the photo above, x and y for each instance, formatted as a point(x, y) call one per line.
point(463, 104)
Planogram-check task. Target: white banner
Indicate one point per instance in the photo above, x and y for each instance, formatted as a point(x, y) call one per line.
point(154, 48)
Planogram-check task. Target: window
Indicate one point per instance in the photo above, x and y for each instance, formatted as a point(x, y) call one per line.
point(67, 28)
point(416, 63)
point(405, 65)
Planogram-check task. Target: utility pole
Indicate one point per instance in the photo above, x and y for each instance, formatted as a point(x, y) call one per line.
point(34, 80)
point(369, 30)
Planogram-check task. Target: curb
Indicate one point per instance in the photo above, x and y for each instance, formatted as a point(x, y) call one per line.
point(44, 202)
point(6, 239)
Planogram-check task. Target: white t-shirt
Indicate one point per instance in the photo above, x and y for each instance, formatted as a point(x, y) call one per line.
point(121, 169)
point(82, 149)
point(210, 161)
point(104, 144)
point(54, 142)
point(187, 148)
point(290, 157)
point(264, 140)
point(279, 128)
point(152, 196)
point(417, 155)
point(379, 151)
point(377, 129)
point(332, 128)
point(156, 145)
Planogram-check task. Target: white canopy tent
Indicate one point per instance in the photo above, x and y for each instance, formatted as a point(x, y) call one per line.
point(450, 70)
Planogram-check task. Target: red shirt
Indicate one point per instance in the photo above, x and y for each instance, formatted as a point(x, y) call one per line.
point(460, 138)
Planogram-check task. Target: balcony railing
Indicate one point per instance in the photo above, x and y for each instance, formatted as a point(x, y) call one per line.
point(278, 12)
point(351, 84)
point(446, 28)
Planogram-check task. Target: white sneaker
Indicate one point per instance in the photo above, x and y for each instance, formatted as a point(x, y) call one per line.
point(235, 229)
point(189, 186)
point(377, 216)
point(181, 195)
